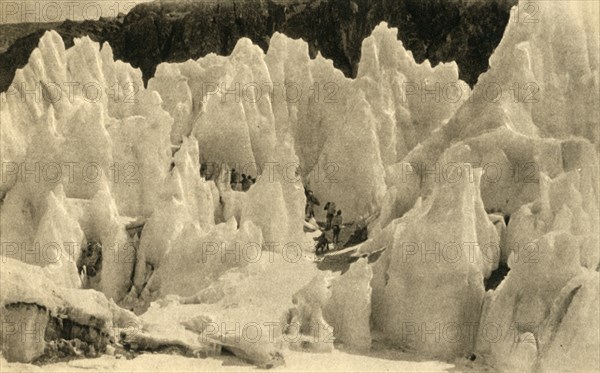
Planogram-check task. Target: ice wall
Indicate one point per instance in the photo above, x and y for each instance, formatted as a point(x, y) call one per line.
point(430, 276)
point(285, 100)
point(536, 143)
point(547, 70)
point(120, 157)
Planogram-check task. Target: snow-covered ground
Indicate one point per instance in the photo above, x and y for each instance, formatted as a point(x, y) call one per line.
point(336, 361)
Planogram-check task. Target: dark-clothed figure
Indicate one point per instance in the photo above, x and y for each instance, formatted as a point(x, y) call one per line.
point(330, 207)
point(337, 226)
point(236, 181)
point(246, 183)
point(311, 201)
point(322, 243)
point(203, 168)
point(233, 179)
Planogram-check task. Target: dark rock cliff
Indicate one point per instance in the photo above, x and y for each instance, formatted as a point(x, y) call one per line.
point(151, 33)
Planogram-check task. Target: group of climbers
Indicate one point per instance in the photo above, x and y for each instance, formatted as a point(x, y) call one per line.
point(334, 220)
point(241, 183)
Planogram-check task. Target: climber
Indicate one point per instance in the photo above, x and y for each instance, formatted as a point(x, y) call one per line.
point(330, 207)
point(233, 178)
point(360, 234)
point(236, 183)
point(322, 243)
point(90, 260)
point(311, 201)
point(213, 171)
point(246, 182)
point(337, 226)
point(306, 192)
point(203, 170)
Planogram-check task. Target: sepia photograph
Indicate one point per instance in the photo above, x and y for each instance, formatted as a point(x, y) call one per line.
point(300, 186)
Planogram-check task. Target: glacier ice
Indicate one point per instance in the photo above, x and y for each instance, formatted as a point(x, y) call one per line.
point(458, 187)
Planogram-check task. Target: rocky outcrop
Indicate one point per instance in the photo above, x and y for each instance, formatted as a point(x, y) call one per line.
point(23, 329)
point(41, 319)
point(151, 33)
